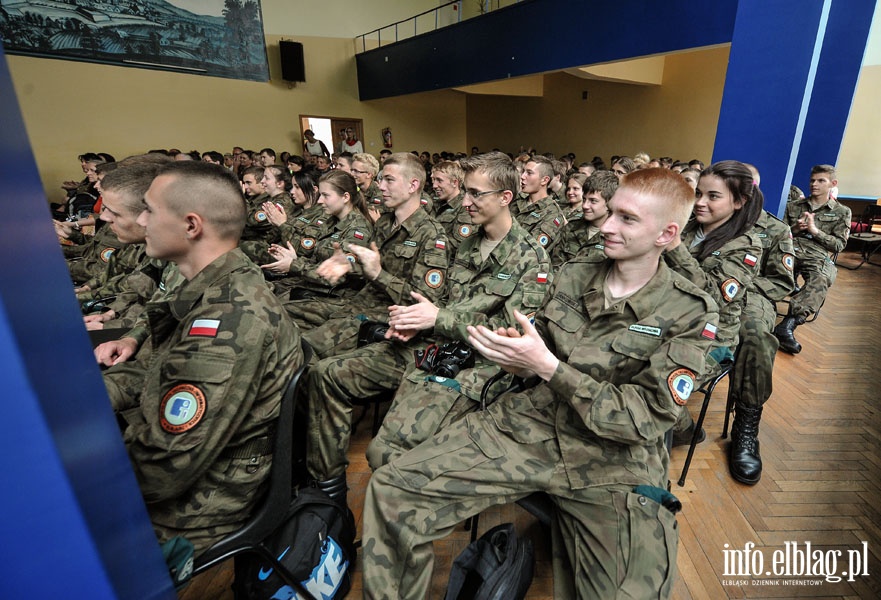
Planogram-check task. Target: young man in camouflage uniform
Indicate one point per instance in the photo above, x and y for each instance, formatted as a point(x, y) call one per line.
point(820, 227)
point(446, 182)
point(615, 351)
point(407, 235)
point(499, 270)
point(534, 209)
point(583, 235)
point(412, 253)
point(200, 399)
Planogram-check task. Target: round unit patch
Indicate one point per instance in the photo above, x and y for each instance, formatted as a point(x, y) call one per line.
point(681, 384)
point(307, 243)
point(106, 253)
point(465, 231)
point(182, 408)
point(730, 287)
point(789, 262)
point(260, 216)
point(543, 240)
point(434, 278)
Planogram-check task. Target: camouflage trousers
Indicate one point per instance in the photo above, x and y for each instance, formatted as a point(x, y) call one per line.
point(618, 544)
point(818, 275)
point(308, 314)
point(334, 336)
point(331, 386)
point(750, 382)
point(418, 411)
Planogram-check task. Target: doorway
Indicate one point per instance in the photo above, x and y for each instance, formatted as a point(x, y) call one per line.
point(331, 130)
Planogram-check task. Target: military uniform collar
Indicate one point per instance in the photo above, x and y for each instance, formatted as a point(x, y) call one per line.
point(643, 302)
point(191, 292)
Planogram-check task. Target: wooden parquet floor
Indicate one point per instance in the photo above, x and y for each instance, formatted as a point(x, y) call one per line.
point(821, 448)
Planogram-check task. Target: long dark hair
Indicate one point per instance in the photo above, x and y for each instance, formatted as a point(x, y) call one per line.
point(344, 183)
point(305, 180)
point(739, 180)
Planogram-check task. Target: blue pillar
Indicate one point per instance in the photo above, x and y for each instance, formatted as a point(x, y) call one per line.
point(790, 83)
point(73, 522)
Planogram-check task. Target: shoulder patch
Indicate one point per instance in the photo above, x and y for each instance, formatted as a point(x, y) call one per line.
point(709, 331)
point(434, 278)
point(681, 383)
point(465, 231)
point(358, 235)
point(440, 244)
point(260, 216)
point(788, 262)
point(307, 243)
point(730, 287)
point(106, 253)
point(205, 327)
point(543, 240)
point(541, 278)
point(750, 259)
point(182, 408)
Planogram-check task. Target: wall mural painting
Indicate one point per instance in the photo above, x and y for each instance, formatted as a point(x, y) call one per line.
point(222, 38)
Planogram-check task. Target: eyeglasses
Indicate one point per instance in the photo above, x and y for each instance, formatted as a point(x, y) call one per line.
point(357, 172)
point(474, 194)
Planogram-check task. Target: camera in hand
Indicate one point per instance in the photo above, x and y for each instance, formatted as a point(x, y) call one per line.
point(446, 360)
point(370, 332)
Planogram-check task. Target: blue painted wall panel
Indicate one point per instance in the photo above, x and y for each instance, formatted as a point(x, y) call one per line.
point(73, 495)
point(538, 36)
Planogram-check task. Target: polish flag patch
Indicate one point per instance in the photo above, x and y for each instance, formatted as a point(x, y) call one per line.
point(205, 327)
point(558, 222)
point(709, 331)
point(440, 244)
point(750, 260)
point(542, 278)
point(358, 235)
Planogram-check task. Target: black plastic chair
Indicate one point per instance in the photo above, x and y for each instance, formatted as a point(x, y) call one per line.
point(707, 389)
point(270, 515)
point(862, 234)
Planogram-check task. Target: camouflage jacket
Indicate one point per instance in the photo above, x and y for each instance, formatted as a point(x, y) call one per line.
point(259, 232)
point(90, 259)
point(415, 257)
point(200, 399)
point(455, 220)
point(577, 236)
point(725, 274)
point(544, 219)
point(775, 279)
point(355, 228)
point(301, 222)
point(624, 374)
point(515, 276)
point(119, 265)
point(163, 278)
point(833, 221)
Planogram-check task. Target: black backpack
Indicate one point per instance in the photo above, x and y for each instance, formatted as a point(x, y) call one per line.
point(498, 566)
point(315, 543)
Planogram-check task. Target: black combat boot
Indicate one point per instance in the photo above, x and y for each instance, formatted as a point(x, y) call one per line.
point(744, 461)
point(335, 488)
point(785, 333)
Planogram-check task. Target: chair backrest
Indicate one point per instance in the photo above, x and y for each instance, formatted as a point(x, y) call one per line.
point(270, 514)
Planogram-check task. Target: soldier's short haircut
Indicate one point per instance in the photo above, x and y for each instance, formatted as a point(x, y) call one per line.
point(368, 160)
point(451, 169)
point(826, 169)
point(130, 179)
point(544, 166)
point(268, 151)
point(604, 182)
point(411, 167)
point(257, 172)
point(497, 167)
point(208, 190)
point(677, 197)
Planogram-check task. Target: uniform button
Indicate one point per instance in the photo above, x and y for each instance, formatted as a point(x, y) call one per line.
point(642, 500)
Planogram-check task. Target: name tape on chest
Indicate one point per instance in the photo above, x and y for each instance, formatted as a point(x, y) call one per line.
point(646, 329)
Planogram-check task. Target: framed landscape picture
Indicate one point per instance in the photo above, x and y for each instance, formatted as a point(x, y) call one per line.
point(222, 38)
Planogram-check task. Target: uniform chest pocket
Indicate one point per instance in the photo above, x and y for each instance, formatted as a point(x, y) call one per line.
point(405, 251)
point(501, 287)
point(564, 313)
point(198, 367)
point(636, 346)
point(827, 218)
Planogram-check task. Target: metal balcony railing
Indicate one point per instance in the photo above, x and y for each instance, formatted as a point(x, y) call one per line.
point(430, 20)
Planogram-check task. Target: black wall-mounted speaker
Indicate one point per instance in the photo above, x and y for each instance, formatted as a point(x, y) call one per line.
point(293, 68)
